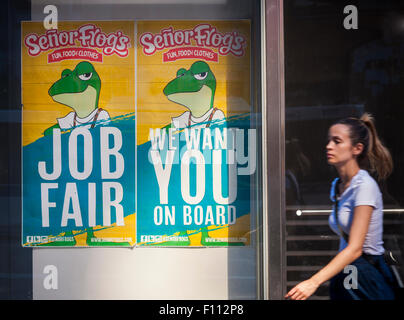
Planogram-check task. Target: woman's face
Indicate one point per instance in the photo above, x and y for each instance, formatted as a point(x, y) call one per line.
point(339, 147)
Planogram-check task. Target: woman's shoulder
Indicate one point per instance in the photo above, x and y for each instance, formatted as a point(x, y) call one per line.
point(363, 177)
point(363, 180)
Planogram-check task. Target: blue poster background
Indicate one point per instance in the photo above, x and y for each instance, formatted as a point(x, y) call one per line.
point(148, 188)
point(42, 150)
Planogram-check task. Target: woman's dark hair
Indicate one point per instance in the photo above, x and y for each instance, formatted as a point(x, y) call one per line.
point(375, 157)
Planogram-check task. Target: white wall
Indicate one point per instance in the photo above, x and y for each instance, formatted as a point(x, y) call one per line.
point(146, 273)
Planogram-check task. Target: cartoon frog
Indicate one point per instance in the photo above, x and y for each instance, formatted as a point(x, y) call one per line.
point(80, 90)
point(194, 89)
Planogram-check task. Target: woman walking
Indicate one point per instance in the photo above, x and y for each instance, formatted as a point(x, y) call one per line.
point(354, 149)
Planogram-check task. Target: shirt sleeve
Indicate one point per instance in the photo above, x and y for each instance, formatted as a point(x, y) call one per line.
point(104, 115)
point(366, 194)
point(67, 121)
point(218, 115)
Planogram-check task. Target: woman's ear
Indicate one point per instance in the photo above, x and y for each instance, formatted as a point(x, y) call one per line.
point(358, 149)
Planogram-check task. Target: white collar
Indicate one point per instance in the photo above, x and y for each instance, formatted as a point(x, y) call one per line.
point(89, 118)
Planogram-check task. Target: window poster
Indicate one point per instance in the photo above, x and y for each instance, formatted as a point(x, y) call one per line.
point(137, 133)
point(195, 148)
point(78, 134)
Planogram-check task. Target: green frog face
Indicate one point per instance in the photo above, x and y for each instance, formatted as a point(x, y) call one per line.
point(79, 89)
point(194, 88)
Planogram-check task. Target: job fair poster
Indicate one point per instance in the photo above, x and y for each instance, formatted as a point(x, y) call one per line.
point(78, 134)
point(195, 149)
point(137, 133)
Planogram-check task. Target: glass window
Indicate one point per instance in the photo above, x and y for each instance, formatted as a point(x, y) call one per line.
point(333, 73)
point(104, 192)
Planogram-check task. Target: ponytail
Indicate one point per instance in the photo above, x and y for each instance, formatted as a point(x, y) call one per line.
point(378, 157)
point(375, 157)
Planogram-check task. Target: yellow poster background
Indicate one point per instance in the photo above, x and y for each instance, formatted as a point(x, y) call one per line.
point(117, 79)
point(232, 74)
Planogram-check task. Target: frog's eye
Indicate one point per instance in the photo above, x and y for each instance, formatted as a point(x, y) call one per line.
point(201, 76)
point(181, 72)
point(85, 76)
point(66, 72)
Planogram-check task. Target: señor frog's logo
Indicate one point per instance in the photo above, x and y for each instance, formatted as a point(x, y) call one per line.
point(87, 37)
point(193, 43)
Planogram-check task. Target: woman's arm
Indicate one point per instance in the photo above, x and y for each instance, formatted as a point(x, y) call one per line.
point(359, 229)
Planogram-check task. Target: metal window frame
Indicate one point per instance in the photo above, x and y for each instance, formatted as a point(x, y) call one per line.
point(273, 146)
